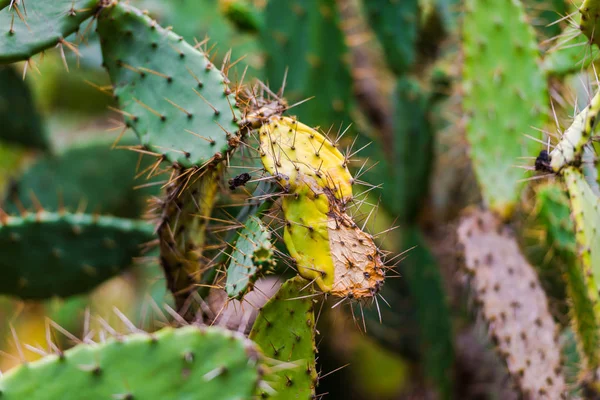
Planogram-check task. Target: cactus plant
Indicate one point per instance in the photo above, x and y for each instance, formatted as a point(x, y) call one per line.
point(252, 252)
point(195, 118)
point(285, 330)
point(187, 362)
point(514, 67)
point(34, 26)
point(46, 253)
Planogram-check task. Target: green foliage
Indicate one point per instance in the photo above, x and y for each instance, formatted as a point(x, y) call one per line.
point(21, 122)
point(396, 24)
point(183, 363)
point(303, 38)
point(285, 331)
point(48, 254)
point(574, 56)
point(172, 95)
point(252, 252)
point(499, 77)
point(29, 27)
point(94, 175)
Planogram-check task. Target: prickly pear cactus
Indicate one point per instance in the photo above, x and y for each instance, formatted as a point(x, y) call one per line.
point(327, 245)
point(184, 363)
point(552, 209)
point(32, 26)
point(590, 24)
point(570, 149)
point(396, 24)
point(174, 98)
point(60, 254)
point(514, 306)
point(184, 214)
point(22, 124)
point(252, 253)
point(285, 330)
point(303, 41)
point(585, 209)
point(500, 76)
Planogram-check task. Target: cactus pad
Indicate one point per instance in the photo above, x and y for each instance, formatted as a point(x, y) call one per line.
point(185, 213)
point(252, 252)
point(327, 245)
point(507, 73)
point(22, 124)
point(396, 24)
point(569, 150)
point(285, 330)
point(514, 306)
point(172, 363)
point(48, 254)
point(552, 209)
point(72, 178)
point(32, 26)
point(590, 20)
point(585, 211)
point(291, 150)
point(177, 101)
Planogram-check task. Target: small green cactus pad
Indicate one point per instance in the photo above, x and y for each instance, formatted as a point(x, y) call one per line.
point(50, 254)
point(185, 213)
point(252, 252)
point(590, 20)
point(513, 304)
point(396, 23)
point(285, 331)
point(303, 41)
point(73, 179)
point(177, 101)
point(505, 95)
point(184, 363)
point(585, 211)
point(32, 26)
point(570, 149)
point(552, 210)
point(21, 122)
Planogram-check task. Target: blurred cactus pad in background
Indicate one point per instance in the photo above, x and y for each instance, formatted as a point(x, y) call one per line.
point(299, 199)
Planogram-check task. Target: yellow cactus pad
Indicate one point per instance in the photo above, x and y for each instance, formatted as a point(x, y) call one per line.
point(290, 149)
point(328, 246)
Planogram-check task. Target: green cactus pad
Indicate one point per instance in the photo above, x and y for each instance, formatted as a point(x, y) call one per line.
point(552, 210)
point(585, 210)
point(285, 331)
point(32, 26)
point(513, 304)
point(49, 254)
point(185, 363)
point(252, 252)
point(505, 95)
point(303, 37)
point(590, 21)
point(21, 122)
point(92, 174)
point(177, 101)
point(244, 15)
point(396, 23)
point(570, 149)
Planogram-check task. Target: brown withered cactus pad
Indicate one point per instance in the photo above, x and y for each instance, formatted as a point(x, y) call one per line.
point(514, 306)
